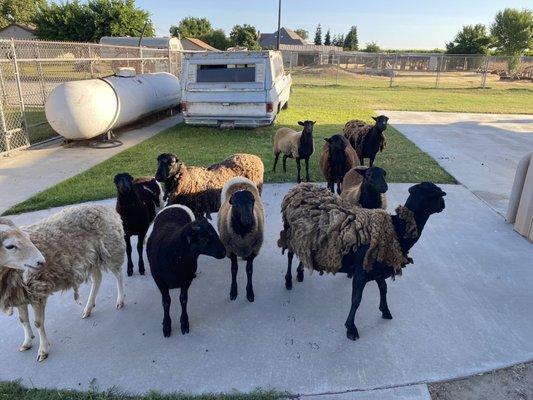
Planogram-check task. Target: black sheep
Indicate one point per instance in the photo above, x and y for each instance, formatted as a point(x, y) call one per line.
point(138, 201)
point(175, 243)
point(367, 140)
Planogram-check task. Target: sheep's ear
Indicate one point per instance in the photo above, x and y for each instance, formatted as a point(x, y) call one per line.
point(301, 123)
point(327, 139)
point(361, 171)
point(231, 200)
point(375, 118)
point(314, 122)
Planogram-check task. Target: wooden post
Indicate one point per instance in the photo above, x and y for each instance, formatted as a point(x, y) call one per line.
point(19, 88)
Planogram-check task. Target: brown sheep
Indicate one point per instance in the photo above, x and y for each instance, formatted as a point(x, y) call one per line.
point(365, 187)
point(366, 139)
point(338, 157)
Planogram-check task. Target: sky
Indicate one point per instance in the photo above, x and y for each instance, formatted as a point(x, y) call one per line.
point(398, 24)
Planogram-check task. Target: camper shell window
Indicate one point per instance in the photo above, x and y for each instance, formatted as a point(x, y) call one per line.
point(225, 73)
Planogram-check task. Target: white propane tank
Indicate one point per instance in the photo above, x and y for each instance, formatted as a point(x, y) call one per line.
point(85, 109)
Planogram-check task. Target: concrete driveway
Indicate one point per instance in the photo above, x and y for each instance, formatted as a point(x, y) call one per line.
point(464, 307)
point(480, 150)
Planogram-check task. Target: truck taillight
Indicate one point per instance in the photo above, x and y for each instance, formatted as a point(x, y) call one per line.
point(183, 106)
point(269, 107)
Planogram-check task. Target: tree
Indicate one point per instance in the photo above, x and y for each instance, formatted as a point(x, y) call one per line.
point(245, 35)
point(191, 27)
point(318, 35)
point(338, 40)
point(512, 31)
point(327, 39)
point(216, 38)
point(472, 39)
point(21, 11)
point(351, 42)
point(88, 22)
point(372, 47)
point(302, 33)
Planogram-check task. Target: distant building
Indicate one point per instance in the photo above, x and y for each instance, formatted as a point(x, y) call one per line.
point(196, 44)
point(171, 43)
point(18, 31)
point(288, 36)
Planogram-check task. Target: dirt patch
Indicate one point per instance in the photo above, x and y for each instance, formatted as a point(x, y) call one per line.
point(513, 383)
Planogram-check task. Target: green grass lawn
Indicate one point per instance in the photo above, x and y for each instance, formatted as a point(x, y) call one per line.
point(330, 105)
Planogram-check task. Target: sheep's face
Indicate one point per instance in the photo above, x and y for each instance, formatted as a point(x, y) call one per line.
point(123, 182)
point(381, 122)
point(203, 239)
point(374, 177)
point(308, 125)
point(17, 251)
point(426, 197)
point(242, 208)
point(168, 166)
point(336, 143)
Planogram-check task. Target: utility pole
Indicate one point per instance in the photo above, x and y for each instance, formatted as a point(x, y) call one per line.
point(279, 26)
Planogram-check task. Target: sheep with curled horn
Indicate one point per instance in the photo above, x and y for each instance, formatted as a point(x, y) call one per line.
point(329, 236)
point(241, 221)
point(337, 158)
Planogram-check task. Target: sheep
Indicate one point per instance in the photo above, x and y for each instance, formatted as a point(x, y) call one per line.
point(138, 201)
point(173, 247)
point(365, 187)
point(338, 157)
point(366, 139)
point(199, 188)
point(241, 221)
point(297, 145)
point(328, 236)
point(56, 254)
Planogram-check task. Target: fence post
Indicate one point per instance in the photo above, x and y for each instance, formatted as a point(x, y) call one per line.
point(3, 128)
point(3, 85)
point(439, 67)
point(142, 60)
point(485, 71)
point(169, 55)
point(393, 72)
point(40, 71)
point(91, 61)
point(338, 67)
point(290, 63)
point(19, 88)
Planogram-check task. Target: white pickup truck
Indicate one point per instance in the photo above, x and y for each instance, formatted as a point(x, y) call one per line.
point(233, 89)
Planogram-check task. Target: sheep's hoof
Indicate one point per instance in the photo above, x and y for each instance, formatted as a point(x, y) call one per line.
point(86, 313)
point(288, 284)
point(300, 276)
point(120, 305)
point(42, 356)
point(233, 294)
point(141, 271)
point(184, 327)
point(167, 329)
point(129, 272)
point(9, 311)
point(25, 346)
point(386, 314)
point(250, 295)
point(352, 335)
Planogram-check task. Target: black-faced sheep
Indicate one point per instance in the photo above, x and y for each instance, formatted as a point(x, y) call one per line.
point(366, 139)
point(199, 188)
point(297, 145)
point(328, 236)
point(241, 221)
point(173, 247)
point(337, 158)
point(138, 201)
point(77, 243)
point(365, 187)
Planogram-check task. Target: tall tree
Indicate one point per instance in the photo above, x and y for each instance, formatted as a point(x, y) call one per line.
point(512, 31)
point(302, 33)
point(318, 35)
point(21, 11)
point(216, 38)
point(119, 18)
point(472, 39)
point(351, 42)
point(191, 27)
point(245, 35)
point(372, 47)
point(327, 38)
point(338, 40)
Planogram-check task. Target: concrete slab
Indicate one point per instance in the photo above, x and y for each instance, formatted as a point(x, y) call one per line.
point(31, 171)
point(480, 150)
point(462, 308)
point(414, 392)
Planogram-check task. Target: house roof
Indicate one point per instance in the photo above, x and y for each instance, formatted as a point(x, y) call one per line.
point(29, 28)
point(201, 44)
point(288, 36)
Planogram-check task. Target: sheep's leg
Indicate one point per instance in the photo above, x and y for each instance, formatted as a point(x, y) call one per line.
point(167, 322)
point(128, 254)
point(300, 272)
point(249, 272)
point(234, 269)
point(358, 284)
point(371, 160)
point(44, 344)
point(284, 163)
point(307, 178)
point(331, 186)
point(140, 243)
point(184, 318)
point(298, 168)
point(120, 287)
point(288, 276)
point(383, 307)
point(339, 188)
point(91, 301)
point(25, 321)
point(275, 162)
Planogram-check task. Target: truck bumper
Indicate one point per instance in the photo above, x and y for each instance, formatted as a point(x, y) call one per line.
point(237, 122)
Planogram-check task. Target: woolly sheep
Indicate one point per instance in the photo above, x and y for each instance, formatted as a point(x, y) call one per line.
point(199, 188)
point(77, 243)
point(297, 145)
point(366, 139)
point(365, 187)
point(241, 221)
point(338, 157)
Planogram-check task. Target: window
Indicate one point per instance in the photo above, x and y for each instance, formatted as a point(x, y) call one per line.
point(226, 73)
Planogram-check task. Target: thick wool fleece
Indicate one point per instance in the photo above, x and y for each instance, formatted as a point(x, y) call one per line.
point(320, 229)
point(286, 141)
point(352, 160)
point(199, 188)
point(351, 189)
point(251, 243)
point(74, 242)
point(356, 130)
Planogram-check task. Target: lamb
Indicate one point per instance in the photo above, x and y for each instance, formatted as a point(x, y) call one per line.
point(199, 188)
point(56, 254)
point(173, 247)
point(329, 236)
point(365, 187)
point(366, 139)
point(338, 157)
point(138, 201)
point(297, 145)
point(241, 221)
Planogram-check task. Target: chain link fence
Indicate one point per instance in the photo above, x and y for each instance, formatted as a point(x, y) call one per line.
point(31, 69)
point(410, 70)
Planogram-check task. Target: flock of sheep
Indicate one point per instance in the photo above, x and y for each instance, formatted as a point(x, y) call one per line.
point(346, 232)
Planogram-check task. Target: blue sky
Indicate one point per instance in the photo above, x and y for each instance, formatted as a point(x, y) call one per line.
point(392, 24)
